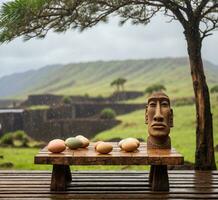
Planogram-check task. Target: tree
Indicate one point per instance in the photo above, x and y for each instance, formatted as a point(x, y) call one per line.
point(115, 83)
point(119, 82)
point(154, 88)
point(197, 17)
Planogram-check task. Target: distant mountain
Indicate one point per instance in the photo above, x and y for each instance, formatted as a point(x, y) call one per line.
point(94, 78)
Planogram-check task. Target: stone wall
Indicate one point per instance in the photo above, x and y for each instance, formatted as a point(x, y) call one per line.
point(11, 121)
point(92, 109)
point(49, 99)
point(125, 95)
point(43, 99)
point(68, 128)
point(9, 103)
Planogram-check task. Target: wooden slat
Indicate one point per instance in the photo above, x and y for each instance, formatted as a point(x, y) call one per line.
point(110, 172)
point(29, 185)
point(88, 156)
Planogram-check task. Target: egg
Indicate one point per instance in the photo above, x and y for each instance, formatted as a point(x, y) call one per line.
point(96, 144)
point(128, 139)
point(73, 143)
point(56, 146)
point(104, 148)
point(84, 140)
point(121, 142)
point(129, 145)
point(134, 139)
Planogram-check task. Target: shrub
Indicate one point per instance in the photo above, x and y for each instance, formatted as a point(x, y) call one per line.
point(214, 89)
point(7, 139)
point(154, 88)
point(67, 100)
point(107, 113)
point(18, 139)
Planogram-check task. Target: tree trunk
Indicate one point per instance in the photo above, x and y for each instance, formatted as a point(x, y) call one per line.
point(204, 155)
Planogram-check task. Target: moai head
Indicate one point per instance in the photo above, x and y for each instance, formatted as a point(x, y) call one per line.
point(159, 117)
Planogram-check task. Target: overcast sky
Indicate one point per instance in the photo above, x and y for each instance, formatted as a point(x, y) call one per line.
point(104, 42)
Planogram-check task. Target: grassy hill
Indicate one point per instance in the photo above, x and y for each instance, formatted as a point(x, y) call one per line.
point(94, 78)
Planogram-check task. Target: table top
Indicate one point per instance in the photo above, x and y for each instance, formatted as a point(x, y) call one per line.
point(88, 156)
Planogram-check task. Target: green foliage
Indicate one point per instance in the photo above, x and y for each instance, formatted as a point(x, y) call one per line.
point(214, 89)
point(119, 82)
point(86, 95)
point(7, 139)
point(18, 139)
point(107, 113)
point(154, 88)
point(67, 100)
point(34, 18)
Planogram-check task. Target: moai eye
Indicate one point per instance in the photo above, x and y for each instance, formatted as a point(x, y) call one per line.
point(165, 103)
point(152, 104)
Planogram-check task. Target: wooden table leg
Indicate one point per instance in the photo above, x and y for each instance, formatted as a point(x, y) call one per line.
point(61, 175)
point(159, 179)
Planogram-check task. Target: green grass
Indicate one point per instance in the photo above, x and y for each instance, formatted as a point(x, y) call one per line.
point(38, 107)
point(182, 135)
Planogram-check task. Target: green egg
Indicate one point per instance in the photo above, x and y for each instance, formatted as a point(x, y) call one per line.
point(73, 143)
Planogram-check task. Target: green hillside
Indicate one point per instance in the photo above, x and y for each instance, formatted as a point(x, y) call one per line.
point(94, 78)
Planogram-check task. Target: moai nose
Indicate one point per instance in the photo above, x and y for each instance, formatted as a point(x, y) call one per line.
point(158, 116)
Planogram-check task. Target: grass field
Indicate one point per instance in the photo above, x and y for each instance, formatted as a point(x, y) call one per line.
point(182, 135)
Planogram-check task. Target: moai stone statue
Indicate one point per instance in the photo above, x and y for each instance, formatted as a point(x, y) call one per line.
point(159, 117)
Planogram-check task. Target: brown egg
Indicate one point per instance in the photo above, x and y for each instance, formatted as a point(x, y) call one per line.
point(129, 145)
point(84, 140)
point(56, 146)
point(96, 144)
point(104, 148)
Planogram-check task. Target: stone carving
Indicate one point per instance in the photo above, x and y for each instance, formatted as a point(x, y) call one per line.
point(159, 117)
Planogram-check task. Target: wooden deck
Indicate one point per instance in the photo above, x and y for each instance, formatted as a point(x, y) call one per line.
point(35, 185)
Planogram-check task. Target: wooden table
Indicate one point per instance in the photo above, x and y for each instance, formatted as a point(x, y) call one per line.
point(158, 159)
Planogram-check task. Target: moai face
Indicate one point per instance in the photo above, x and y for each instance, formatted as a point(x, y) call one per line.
point(159, 115)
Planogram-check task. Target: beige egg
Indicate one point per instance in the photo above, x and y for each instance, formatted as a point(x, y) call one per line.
point(84, 140)
point(56, 146)
point(129, 145)
point(121, 142)
point(134, 139)
point(104, 148)
point(96, 144)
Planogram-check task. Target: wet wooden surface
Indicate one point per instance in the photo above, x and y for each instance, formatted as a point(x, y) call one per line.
point(88, 156)
point(29, 185)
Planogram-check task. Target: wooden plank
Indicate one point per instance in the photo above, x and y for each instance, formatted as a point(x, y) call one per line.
point(134, 172)
point(30, 185)
point(111, 196)
point(88, 156)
